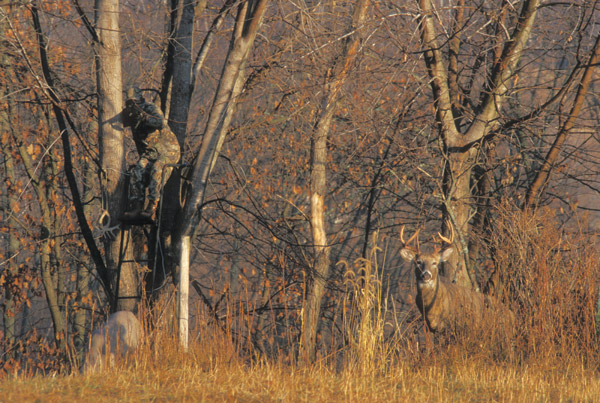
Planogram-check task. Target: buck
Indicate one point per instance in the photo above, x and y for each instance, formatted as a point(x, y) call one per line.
point(446, 306)
point(118, 336)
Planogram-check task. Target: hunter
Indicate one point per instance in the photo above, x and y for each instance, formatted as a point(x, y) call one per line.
point(158, 149)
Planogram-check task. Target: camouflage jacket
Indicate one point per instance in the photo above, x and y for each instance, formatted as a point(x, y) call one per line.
point(150, 131)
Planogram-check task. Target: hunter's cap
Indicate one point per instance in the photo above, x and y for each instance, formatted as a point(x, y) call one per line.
point(134, 93)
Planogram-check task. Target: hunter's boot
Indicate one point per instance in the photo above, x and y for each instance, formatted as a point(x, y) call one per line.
point(148, 214)
point(134, 212)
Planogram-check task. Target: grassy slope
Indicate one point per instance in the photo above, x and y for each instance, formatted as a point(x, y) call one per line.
point(192, 379)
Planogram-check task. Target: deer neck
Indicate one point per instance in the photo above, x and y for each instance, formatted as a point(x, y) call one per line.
point(428, 295)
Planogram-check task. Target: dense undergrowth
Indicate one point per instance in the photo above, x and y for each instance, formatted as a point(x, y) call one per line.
point(546, 274)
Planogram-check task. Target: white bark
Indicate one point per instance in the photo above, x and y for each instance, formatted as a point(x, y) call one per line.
point(184, 292)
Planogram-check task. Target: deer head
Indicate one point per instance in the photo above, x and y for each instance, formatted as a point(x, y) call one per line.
point(426, 264)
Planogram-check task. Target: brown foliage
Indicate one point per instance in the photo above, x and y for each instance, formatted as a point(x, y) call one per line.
point(31, 354)
point(550, 276)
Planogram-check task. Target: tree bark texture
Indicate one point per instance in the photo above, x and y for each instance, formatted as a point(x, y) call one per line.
point(248, 22)
point(111, 141)
point(461, 147)
point(318, 186)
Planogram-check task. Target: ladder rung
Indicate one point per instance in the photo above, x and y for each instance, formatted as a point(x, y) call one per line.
point(136, 261)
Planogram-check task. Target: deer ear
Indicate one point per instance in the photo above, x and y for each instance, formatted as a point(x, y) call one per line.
point(446, 254)
point(407, 254)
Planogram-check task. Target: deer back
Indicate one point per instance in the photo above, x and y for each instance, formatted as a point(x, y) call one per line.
point(121, 333)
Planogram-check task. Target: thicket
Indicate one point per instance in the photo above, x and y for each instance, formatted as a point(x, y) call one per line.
point(387, 161)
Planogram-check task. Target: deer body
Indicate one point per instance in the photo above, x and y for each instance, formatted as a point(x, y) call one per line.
point(443, 304)
point(446, 306)
point(119, 335)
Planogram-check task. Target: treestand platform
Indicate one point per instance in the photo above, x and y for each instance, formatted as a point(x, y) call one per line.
point(139, 220)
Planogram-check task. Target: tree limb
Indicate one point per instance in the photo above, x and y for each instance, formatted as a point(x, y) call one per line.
point(86, 21)
point(68, 167)
point(537, 186)
point(439, 76)
point(505, 69)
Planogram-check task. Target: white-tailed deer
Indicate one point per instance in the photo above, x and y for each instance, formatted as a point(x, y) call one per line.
point(119, 335)
point(446, 306)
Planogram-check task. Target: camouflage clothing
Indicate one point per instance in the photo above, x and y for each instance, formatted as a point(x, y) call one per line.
point(156, 144)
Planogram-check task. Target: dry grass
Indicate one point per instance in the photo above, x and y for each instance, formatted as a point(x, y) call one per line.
point(198, 377)
point(551, 282)
point(550, 276)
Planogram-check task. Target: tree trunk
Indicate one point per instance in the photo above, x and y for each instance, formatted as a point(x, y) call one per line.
point(180, 45)
point(181, 91)
point(83, 274)
point(54, 225)
point(458, 208)
point(248, 22)
point(111, 141)
point(10, 205)
point(461, 146)
point(13, 246)
point(184, 295)
point(320, 270)
point(336, 76)
point(60, 115)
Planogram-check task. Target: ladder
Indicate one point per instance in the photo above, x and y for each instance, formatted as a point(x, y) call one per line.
point(149, 227)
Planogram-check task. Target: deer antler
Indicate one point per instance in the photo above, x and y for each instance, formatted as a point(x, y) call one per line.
point(449, 241)
point(405, 243)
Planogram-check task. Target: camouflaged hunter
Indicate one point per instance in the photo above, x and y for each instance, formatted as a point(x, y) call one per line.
point(157, 147)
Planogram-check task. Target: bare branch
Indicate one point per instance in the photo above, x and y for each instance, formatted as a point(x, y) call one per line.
point(438, 74)
point(542, 176)
point(486, 120)
point(86, 21)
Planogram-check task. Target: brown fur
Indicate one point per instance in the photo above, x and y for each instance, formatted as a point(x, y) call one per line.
point(444, 305)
